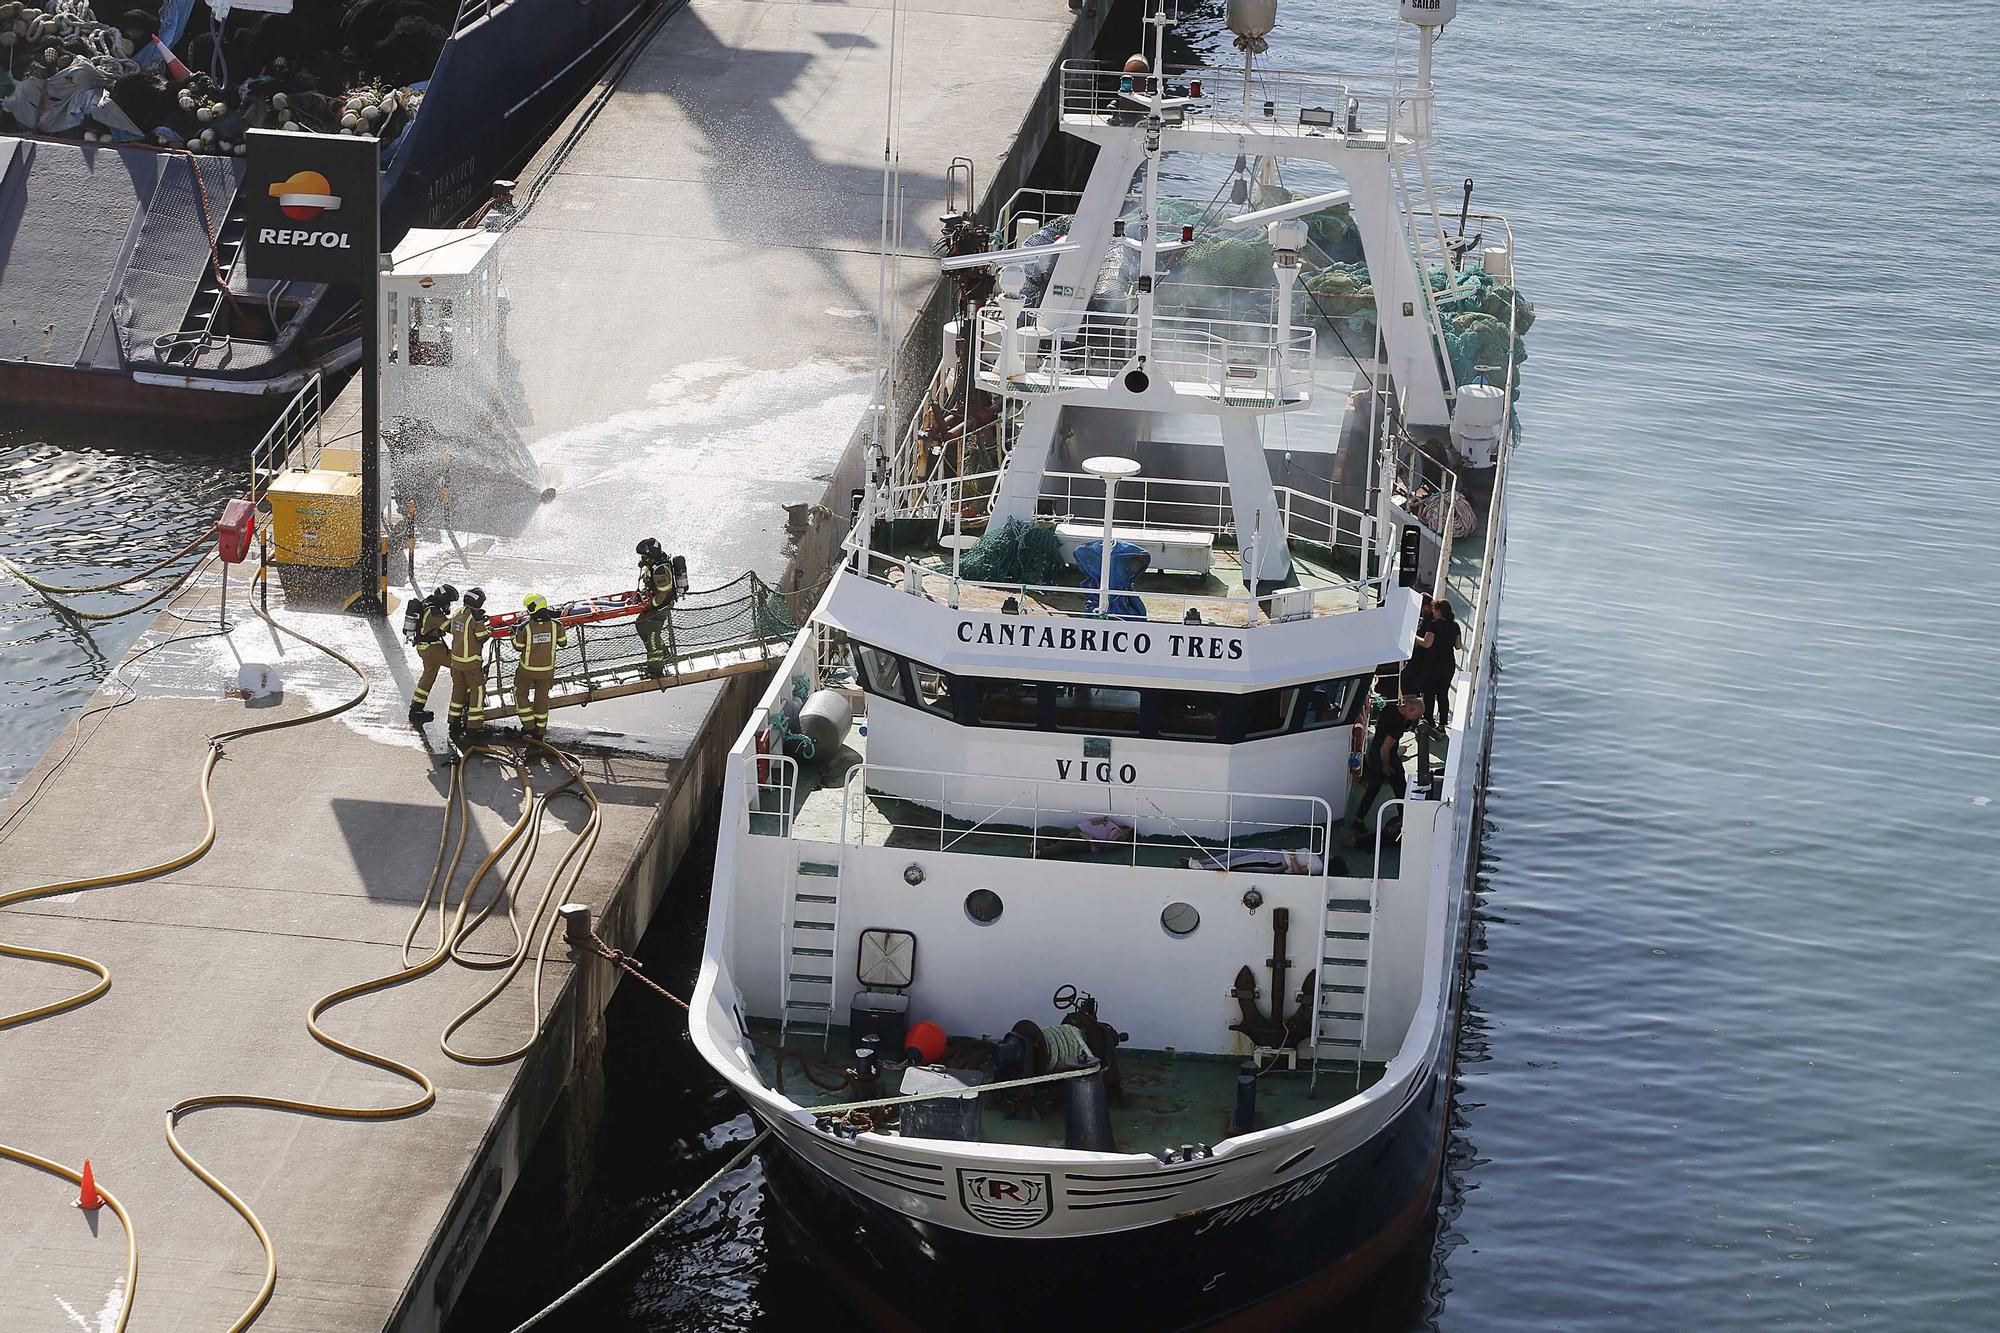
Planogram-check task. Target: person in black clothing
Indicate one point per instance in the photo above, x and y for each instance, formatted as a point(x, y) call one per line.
point(1412, 674)
point(1437, 660)
point(1382, 766)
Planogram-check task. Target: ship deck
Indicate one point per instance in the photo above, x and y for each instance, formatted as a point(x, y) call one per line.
point(1169, 1097)
point(1216, 593)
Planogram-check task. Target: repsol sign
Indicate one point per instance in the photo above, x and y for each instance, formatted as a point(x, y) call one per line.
point(332, 240)
point(310, 201)
point(1103, 640)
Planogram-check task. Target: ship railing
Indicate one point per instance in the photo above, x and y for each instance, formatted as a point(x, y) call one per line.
point(471, 11)
point(1203, 506)
point(1284, 103)
point(1143, 501)
point(292, 443)
point(1307, 600)
point(1220, 360)
point(910, 465)
point(1016, 816)
point(1038, 206)
point(771, 791)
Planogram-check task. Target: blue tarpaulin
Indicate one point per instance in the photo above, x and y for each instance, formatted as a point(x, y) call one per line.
point(174, 16)
point(1127, 563)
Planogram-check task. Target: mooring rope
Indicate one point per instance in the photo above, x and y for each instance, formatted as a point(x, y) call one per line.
point(643, 1237)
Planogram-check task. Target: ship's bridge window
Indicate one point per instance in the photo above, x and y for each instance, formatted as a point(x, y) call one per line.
point(1190, 715)
point(1007, 703)
point(1098, 709)
point(1267, 712)
point(1333, 703)
point(933, 688)
point(881, 673)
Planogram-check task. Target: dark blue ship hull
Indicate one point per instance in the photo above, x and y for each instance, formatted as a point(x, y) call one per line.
point(502, 82)
point(1269, 1262)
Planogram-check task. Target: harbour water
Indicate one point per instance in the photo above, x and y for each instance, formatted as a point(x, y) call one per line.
point(1728, 1057)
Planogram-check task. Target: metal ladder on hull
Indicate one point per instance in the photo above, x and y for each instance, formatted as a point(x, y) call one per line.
point(1347, 965)
point(812, 934)
point(1342, 1004)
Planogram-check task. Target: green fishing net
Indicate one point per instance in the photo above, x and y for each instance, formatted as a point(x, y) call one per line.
point(1016, 552)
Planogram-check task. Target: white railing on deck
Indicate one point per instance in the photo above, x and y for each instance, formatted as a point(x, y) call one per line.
point(1304, 601)
point(1281, 102)
point(1202, 826)
point(771, 788)
point(1044, 206)
point(1204, 506)
point(1224, 360)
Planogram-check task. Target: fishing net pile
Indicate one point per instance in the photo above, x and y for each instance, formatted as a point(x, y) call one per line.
point(172, 73)
point(1477, 339)
point(1017, 552)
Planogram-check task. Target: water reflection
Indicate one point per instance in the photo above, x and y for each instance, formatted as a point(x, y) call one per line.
point(83, 502)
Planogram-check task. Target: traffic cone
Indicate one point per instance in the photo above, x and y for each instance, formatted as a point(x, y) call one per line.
point(88, 1198)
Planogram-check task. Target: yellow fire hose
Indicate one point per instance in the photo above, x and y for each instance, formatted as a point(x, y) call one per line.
point(427, 1091)
point(463, 921)
point(124, 1220)
point(103, 973)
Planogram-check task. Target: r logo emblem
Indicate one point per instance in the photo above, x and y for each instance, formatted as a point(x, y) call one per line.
point(1006, 1202)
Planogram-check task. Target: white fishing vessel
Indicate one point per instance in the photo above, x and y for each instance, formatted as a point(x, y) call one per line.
point(1048, 816)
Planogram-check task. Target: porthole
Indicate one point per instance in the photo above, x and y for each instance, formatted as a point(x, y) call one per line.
point(1179, 919)
point(983, 906)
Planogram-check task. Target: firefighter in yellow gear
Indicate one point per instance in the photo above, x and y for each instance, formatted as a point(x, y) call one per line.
point(662, 579)
point(536, 639)
point(431, 618)
point(465, 635)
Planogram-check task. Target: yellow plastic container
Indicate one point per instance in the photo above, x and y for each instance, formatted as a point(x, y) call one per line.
point(316, 519)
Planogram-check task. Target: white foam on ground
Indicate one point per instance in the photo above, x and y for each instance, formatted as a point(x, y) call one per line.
point(707, 468)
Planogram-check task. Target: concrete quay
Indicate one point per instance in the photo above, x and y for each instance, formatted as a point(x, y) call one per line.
point(690, 316)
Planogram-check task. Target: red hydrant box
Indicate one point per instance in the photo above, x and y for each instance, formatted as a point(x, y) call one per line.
point(235, 530)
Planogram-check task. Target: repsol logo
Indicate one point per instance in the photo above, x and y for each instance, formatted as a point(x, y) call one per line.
point(325, 240)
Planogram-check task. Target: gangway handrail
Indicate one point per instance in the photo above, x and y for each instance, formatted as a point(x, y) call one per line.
point(284, 446)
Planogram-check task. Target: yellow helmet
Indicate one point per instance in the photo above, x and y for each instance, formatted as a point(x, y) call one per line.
point(534, 601)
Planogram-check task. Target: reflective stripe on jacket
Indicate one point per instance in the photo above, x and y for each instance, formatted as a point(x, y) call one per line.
point(468, 637)
point(656, 583)
point(537, 641)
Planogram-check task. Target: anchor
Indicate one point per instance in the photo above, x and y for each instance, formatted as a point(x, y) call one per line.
point(1266, 1029)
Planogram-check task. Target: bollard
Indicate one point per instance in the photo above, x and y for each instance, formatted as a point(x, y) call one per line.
point(1244, 1119)
point(1087, 1110)
point(576, 924)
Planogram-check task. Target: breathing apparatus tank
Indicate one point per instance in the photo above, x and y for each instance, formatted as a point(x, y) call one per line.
point(438, 599)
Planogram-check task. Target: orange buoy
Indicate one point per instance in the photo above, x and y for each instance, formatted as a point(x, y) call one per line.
point(927, 1040)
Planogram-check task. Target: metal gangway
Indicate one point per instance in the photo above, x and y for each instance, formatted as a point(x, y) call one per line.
point(742, 626)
